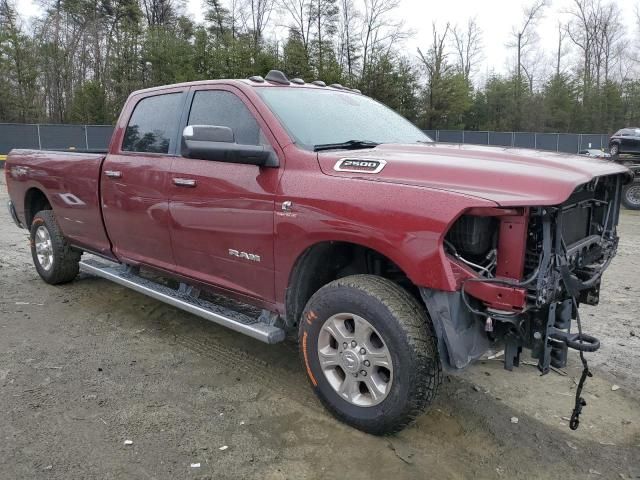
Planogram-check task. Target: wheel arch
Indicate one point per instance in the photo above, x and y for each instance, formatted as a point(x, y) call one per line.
point(34, 201)
point(325, 261)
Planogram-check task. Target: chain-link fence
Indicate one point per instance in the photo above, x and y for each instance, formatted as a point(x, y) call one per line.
point(54, 137)
point(557, 142)
point(96, 137)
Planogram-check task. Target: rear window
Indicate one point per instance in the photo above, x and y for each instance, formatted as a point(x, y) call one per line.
point(152, 126)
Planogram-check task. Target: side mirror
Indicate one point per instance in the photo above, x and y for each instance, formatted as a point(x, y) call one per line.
point(211, 142)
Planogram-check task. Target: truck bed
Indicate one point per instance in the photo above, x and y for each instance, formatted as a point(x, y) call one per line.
point(70, 181)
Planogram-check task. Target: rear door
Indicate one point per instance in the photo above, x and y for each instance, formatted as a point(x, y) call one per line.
point(222, 213)
point(135, 178)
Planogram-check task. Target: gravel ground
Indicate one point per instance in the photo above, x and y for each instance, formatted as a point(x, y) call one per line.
point(86, 366)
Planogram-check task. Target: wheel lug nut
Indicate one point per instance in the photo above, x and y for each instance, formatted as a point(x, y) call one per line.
point(364, 373)
point(367, 363)
point(354, 343)
point(363, 351)
point(345, 345)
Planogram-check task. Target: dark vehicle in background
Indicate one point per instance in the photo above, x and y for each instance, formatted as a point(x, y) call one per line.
point(626, 140)
point(624, 148)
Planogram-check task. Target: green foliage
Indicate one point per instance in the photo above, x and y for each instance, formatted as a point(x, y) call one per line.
point(394, 83)
point(560, 103)
point(167, 54)
point(448, 101)
point(631, 103)
point(18, 69)
point(295, 59)
point(89, 105)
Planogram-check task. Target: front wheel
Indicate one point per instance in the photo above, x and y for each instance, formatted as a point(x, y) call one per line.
point(614, 149)
point(370, 354)
point(631, 196)
point(55, 260)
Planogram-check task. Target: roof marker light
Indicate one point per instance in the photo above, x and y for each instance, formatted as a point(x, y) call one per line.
point(276, 76)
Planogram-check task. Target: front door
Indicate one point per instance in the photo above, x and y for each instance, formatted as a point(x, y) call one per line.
point(222, 213)
point(135, 179)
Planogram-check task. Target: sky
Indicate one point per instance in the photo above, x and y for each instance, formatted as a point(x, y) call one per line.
point(496, 19)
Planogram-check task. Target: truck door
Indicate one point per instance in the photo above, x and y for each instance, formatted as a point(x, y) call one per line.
point(135, 178)
point(222, 213)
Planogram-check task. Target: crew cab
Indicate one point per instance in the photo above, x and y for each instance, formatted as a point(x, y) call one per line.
point(275, 207)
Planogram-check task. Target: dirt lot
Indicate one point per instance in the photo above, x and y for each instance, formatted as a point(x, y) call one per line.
point(86, 366)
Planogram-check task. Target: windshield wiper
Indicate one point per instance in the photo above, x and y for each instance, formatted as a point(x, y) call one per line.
point(348, 145)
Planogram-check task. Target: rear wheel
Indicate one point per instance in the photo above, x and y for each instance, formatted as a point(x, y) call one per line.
point(369, 351)
point(55, 260)
point(631, 196)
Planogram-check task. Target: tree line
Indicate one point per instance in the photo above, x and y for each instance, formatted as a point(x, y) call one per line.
point(78, 61)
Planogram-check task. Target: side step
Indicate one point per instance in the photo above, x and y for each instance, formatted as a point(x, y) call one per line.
point(219, 314)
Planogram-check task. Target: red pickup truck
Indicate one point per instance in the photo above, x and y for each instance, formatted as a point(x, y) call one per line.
point(273, 206)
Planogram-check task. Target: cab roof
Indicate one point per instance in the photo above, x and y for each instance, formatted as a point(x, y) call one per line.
point(274, 78)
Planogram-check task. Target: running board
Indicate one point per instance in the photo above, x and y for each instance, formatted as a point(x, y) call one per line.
point(181, 299)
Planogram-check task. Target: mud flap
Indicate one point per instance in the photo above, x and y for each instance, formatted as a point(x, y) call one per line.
point(461, 336)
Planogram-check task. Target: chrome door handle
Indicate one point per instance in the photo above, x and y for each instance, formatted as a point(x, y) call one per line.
point(184, 182)
point(113, 173)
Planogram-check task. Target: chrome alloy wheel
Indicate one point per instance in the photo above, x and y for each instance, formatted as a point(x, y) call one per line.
point(44, 248)
point(355, 360)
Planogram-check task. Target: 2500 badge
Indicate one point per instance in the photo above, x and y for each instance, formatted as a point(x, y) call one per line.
point(364, 165)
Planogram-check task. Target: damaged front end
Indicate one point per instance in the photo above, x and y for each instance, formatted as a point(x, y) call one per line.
point(522, 275)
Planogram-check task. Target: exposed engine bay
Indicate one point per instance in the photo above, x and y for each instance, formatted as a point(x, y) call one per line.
point(524, 273)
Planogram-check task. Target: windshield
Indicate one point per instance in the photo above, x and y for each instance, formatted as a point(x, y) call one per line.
point(322, 117)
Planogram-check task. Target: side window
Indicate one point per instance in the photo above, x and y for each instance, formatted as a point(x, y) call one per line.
point(153, 123)
point(224, 109)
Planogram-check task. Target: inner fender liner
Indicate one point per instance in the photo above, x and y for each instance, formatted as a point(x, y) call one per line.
point(461, 336)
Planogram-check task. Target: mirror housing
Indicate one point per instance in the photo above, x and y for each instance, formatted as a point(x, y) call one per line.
point(209, 133)
point(212, 142)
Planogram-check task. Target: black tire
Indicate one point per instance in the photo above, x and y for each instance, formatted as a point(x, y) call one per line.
point(65, 264)
point(614, 149)
point(407, 333)
point(631, 195)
